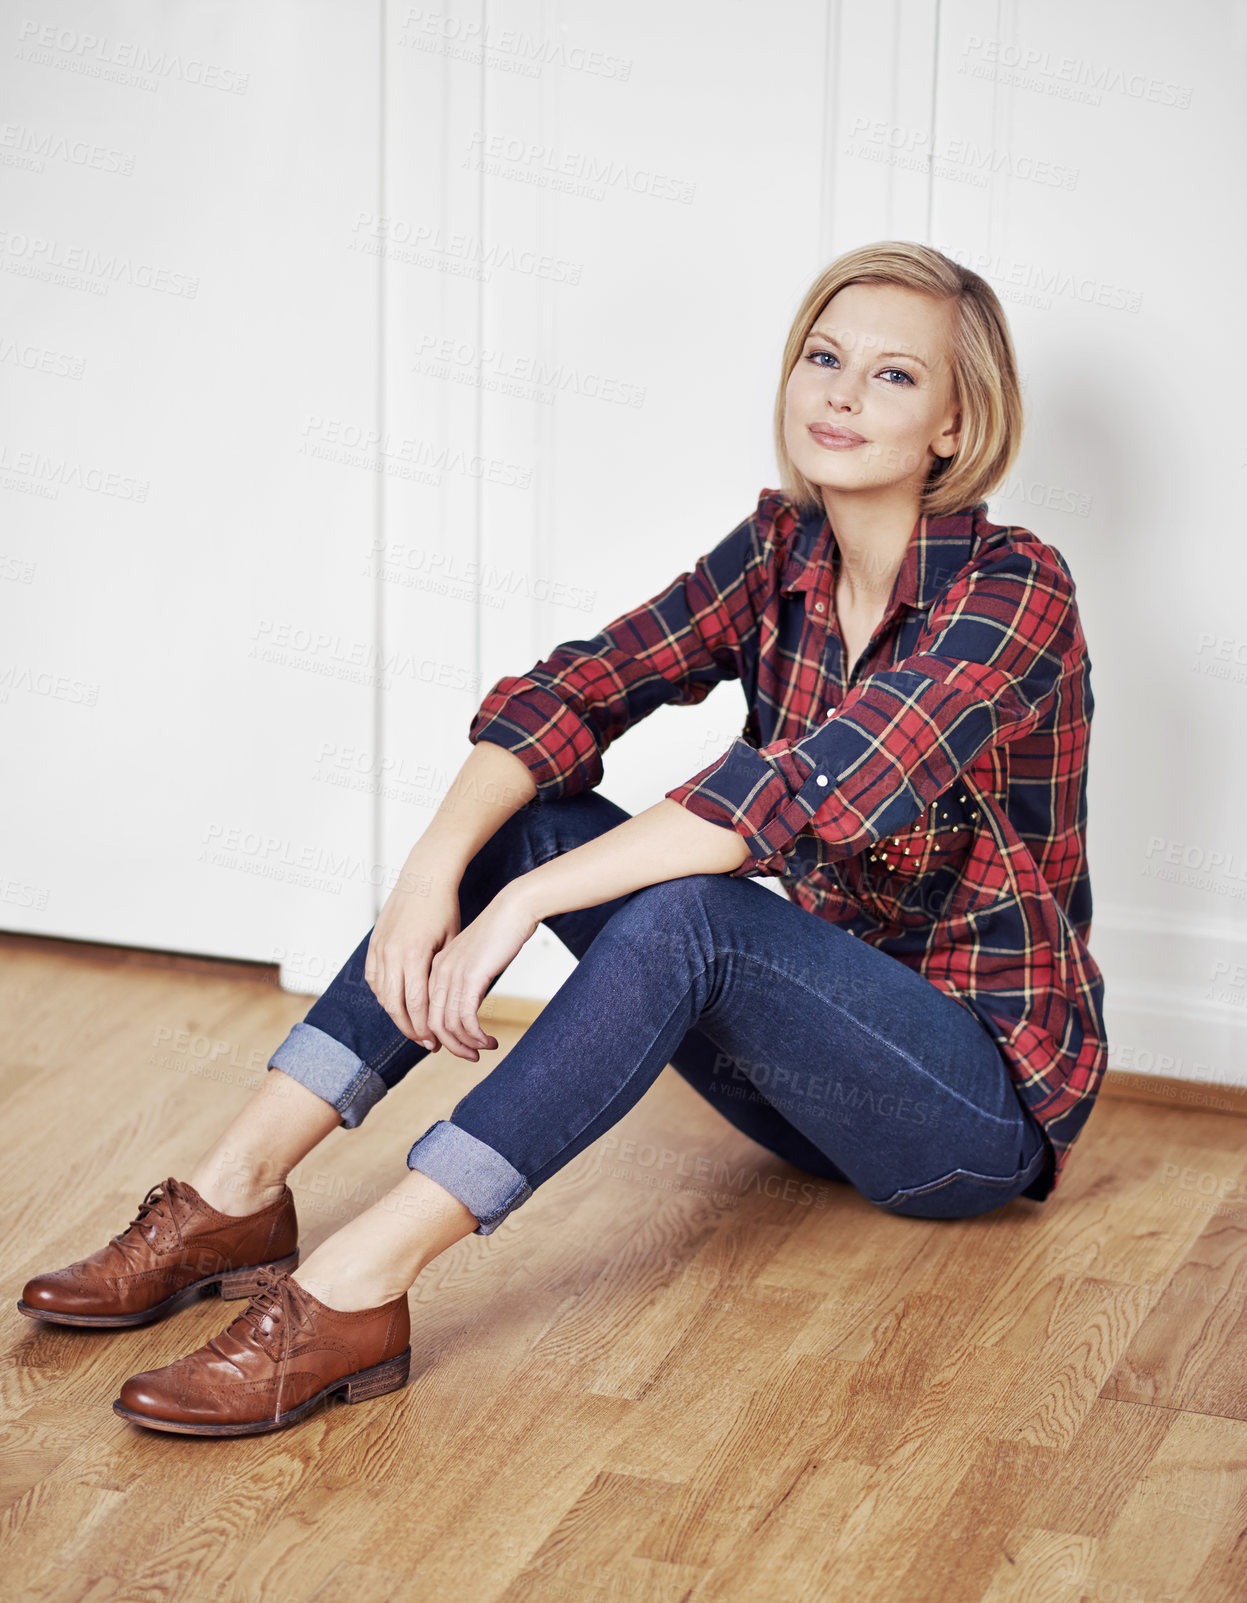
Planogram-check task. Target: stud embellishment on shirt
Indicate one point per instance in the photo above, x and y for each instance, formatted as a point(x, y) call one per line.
point(895, 845)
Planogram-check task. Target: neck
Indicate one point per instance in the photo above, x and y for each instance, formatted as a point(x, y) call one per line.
point(873, 530)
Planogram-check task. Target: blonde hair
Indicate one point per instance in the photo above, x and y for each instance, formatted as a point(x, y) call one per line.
point(984, 370)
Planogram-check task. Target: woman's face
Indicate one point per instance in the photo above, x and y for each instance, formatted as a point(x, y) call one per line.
point(869, 404)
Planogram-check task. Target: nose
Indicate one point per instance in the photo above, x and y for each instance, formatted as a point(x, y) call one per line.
point(841, 391)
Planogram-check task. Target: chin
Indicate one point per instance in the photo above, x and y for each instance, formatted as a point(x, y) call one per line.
point(824, 475)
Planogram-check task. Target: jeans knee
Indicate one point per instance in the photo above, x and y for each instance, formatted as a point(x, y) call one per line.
point(525, 823)
point(540, 830)
point(668, 914)
point(670, 898)
point(524, 839)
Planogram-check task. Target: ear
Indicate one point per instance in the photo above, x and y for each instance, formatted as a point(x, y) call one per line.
point(945, 443)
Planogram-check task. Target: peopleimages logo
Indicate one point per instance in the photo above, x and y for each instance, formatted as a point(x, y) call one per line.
point(33, 256)
point(422, 244)
point(1196, 867)
point(93, 56)
point(360, 445)
point(955, 157)
point(314, 867)
point(1014, 278)
point(476, 579)
point(40, 682)
point(324, 652)
point(39, 359)
point(663, 1166)
point(516, 373)
point(53, 471)
point(571, 171)
point(1070, 77)
point(21, 146)
point(508, 49)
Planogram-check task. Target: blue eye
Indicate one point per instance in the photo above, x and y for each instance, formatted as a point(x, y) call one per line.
point(815, 357)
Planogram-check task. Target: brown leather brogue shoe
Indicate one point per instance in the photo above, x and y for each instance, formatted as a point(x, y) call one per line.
point(284, 1354)
point(173, 1251)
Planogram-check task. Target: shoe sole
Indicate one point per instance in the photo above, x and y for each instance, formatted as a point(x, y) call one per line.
point(358, 1388)
point(228, 1283)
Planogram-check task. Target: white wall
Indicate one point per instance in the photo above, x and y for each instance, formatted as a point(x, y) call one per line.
point(1124, 294)
point(392, 219)
point(186, 588)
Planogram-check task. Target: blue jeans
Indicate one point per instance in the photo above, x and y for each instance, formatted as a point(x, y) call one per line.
point(829, 1053)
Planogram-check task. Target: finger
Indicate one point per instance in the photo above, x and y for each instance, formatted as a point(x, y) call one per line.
point(469, 1004)
point(457, 995)
point(413, 984)
point(390, 996)
point(464, 1002)
point(433, 1015)
point(446, 1026)
point(417, 998)
point(416, 993)
point(375, 964)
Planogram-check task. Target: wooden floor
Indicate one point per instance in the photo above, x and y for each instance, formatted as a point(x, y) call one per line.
point(656, 1381)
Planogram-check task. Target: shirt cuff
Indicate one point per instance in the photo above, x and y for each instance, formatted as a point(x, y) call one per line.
point(767, 794)
point(554, 743)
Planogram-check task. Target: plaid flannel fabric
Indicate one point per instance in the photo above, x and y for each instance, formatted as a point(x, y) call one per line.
point(930, 797)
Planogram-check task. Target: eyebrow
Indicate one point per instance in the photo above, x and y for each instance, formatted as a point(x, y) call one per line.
point(817, 334)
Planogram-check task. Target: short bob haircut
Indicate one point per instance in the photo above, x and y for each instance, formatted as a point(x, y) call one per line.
point(984, 370)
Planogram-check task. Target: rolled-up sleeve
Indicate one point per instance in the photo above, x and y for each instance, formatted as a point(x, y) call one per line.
point(984, 670)
point(562, 715)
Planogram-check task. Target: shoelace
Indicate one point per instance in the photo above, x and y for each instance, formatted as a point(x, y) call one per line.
point(156, 1205)
point(277, 1298)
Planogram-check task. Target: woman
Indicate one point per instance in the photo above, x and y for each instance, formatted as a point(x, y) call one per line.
point(913, 769)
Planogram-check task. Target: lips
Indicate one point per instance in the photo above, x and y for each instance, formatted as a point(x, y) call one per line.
point(834, 435)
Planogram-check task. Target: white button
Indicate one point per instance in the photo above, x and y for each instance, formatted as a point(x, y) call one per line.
point(822, 779)
point(818, 606)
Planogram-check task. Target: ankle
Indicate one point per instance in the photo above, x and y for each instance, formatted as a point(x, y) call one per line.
point(348, 1294)
point(348, 1285)
point(235, 1194)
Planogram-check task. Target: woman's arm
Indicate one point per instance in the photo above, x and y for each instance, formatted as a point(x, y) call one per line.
point(671, 650)
point(429, 979)
point(994, 651)
point(664, 842)
point(542, 734)
point(421, 913)
point(492, 784)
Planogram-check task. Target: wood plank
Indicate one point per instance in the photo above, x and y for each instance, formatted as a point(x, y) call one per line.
point(656, 1380)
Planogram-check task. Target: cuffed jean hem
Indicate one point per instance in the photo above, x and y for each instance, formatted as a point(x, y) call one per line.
point(331, 1070)
point(482, 1179)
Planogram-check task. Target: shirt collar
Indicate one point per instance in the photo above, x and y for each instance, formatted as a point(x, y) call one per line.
point(939, 547)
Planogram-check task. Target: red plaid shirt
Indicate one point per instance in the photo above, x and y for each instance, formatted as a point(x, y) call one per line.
point(932, 801)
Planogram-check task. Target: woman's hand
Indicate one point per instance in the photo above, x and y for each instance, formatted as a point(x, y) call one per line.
point(463, 970)
point(429, 977)
point(420, 916)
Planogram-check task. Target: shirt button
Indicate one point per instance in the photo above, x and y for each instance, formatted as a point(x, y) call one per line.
point(821, 780)
point(818, 607)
